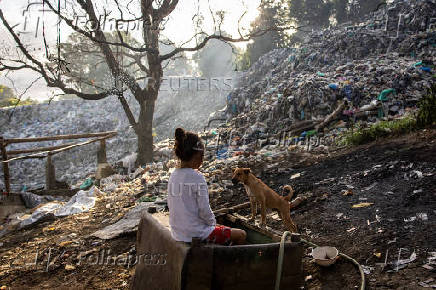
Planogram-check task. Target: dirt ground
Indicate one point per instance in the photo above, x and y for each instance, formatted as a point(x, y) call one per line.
point(397, 177)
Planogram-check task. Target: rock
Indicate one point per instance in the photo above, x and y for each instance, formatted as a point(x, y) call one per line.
point(127, 224)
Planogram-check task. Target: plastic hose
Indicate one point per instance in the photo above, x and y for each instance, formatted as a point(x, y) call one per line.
point(280, 261)
point(282, 251)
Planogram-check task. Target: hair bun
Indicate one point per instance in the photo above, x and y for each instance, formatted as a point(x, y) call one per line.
point(180, 134)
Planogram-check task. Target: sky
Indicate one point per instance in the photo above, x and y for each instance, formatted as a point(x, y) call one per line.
point(32, 22)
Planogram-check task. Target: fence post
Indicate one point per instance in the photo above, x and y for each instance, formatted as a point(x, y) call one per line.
point(101, 153)
point(103, 168)
point(50, 176)
point(5, 165)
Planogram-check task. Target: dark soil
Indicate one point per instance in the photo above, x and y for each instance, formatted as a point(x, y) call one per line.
point(386, 174)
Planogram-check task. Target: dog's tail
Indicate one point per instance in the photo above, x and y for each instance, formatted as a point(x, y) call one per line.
point(288, 192)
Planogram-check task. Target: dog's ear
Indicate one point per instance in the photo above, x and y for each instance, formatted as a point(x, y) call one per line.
point(286, 189)
point(247, 170)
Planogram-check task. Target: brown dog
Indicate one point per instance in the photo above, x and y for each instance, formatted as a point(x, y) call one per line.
point(259, 192)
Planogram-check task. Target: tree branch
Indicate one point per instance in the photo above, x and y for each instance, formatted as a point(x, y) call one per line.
point(166, 8)
point(199, 46)
point(88, 34)
point(51, 82)
point(114, 66)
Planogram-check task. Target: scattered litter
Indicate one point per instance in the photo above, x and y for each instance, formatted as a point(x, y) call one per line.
point(65, 243)
point(392, 241)
point(80, 202)
point(426, 283)
point(367, 269)
point(428, 267)
point(416, 174)
point(422, 216)
point(347, 192)
point(296, 175)
point(69, 267)
point(400, 264)
point(370, 187)
point(419, 216)
point(362, 204)
point(45, 212)
point(87, 184)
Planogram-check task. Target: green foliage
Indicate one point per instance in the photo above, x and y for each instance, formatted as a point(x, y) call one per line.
point(379, 130)
point(311, 13)
point(273, 15)
point(8, 98)
point(242, 60)
point(8, 102)
point(427, 109)
point(321, 13)
point(6, 92)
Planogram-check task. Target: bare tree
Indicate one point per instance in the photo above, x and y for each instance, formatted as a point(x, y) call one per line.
point(153, 16)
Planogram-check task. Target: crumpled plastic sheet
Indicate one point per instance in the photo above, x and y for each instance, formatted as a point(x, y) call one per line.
point(82, 201)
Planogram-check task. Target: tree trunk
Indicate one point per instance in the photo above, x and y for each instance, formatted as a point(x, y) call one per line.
point(145, 132)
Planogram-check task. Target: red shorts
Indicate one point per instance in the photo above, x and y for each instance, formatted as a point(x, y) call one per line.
point(220, 235)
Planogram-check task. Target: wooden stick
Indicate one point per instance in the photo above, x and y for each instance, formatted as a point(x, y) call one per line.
point(331, 117)
point(59, 137)
point(233, 208)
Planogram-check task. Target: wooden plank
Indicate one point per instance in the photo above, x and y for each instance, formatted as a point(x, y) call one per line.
point(235, 218)
point(40, 149)
point(233, 208)
point(58, 137)
point(37, 155)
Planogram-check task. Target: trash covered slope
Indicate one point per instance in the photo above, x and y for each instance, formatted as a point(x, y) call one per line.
point(372, 61)
point(77, 116)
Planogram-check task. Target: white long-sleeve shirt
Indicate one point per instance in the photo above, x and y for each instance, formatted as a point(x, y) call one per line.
point(188, 203)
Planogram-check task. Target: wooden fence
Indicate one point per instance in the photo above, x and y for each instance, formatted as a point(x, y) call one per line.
point(48, 152)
